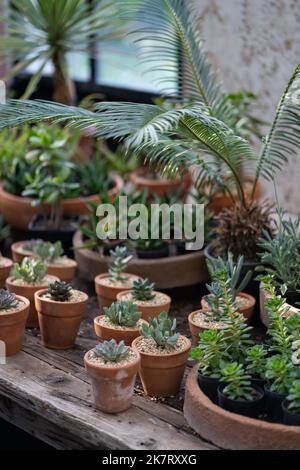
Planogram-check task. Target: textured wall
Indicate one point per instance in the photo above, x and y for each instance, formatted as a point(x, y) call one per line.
point(256, 46)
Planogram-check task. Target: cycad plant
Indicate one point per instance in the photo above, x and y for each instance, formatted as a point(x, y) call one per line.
point(43, 31)
point(197, 129)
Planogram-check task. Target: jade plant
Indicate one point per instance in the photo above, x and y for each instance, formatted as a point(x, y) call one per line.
point(111, 351)
point(162, 330)
point(48, 252)
point(123, 313)
point(8, 300)
point(119, 263)
point(238, 385)
point(210, 353)
point(293, 398)
point(143, 290)
point(280, 373)
point(31, 271)
point(59, 291)
point(256, 357)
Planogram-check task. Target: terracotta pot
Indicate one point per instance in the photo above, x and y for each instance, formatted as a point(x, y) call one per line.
point(12, 326)
point(106, 333)
point(18, 254)
point(18, 211)
point(196, 329)
point(161, 375)
point(4, 270)
point(161, 187)
point(264, 316)
point(59, 321)
point(246, 311)
point(28, 291)
point(108, 294)
point(219, 201)
point(113, 387)
point(151, 310)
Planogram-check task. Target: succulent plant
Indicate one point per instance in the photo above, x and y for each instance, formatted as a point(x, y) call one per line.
point(143, 290)
point(162, 329)
point(256, 361)
point(293, 397)
point(31, 245)
point(281, 337)
point(8, 300)
point(60, 291)
point(210, 352)
point(119, 262)
point(123, 313)
point(111, 351)
point(238, 382)
point(48, 252)
point(31, 271)
point(293, 325)
point(280, 373)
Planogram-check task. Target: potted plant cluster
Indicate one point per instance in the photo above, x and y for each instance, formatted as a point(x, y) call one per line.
point(121, 321)
point(113, 368)
point(27, 278)
point(60, 310)
point(148, 301)
point(14, 310)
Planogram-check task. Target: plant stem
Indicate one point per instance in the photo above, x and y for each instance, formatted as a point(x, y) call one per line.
point(64, 88)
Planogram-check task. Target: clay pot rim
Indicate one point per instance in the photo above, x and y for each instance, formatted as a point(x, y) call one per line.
point(106, 275)
point(190, 320)
point(94, 366)
point(22, 299)
point(39, 286)
point(9, 263)
point(70, 264)
point(138, 177)
point(150, 306)
point(172, 354)
point(129, 329)
point(192, 385)
point(40, 292)
point(15, 247)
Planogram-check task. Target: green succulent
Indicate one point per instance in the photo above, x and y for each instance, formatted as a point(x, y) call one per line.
point(256, 361)
point(280, 372)
point(8, 300)
point(48, 252)
point(293, 397)
point(238, 385)
point(119, 263)
point(123, 313)
point(111, 351)
point(162, 329)
point(31, 271)
point(60, 291)
point(281, 337)
point(293, 325)
point(31, 245)
point(143, 290)
point(210, 353)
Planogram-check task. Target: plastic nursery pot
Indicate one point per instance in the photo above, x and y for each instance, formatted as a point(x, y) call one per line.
point(59, 321)
point(108, 332)
point(160, 187)
point(148, 309)
point(292, 298)
point(257, 382)
point(209, 386)
point(273, 405)
point(247, 310)
point(28, 291)
point(251, 408)
point(5, 268)
point(113, 386)
point(107, 293)
point(12, 326)
point(196, 328)
point(161, 374)
point(290, 418)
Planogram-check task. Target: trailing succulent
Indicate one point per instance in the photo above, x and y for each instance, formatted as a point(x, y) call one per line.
point(293, 397)
point(143, 290)
point(59, 291)
point(162, 330)
point(123, 313)
point(8, 300)
point(48, 252)
point(238, 384)
point(31, 271)
point(119, 262)
point(111, 351)
point(256, 358)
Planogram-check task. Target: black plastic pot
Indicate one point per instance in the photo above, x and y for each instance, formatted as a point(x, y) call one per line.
point(292, 298)
point(292, 419)
point(273, 405)
point(162, 252)
point(209, 386)
point(252, 408)
point(38, 228)
point(256, 382)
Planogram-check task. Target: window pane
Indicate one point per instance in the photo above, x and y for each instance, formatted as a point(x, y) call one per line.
point(79, 67)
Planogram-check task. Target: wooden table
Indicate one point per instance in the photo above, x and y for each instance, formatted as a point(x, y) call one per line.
point(48, 394)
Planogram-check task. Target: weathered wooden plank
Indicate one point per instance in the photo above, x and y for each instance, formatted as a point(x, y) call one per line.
point(65, 401)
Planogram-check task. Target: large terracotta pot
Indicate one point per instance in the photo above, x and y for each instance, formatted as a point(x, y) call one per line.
point(113, 387)
point(106, 333)
point(28, 291)
point(161, 187)
point(219, 201)
point(12, 326)
point(149, 310)
point(108, 294)
point(5, 268)
point(18, 211)
point(59, 321)
point(161, 375)
point(246, 311)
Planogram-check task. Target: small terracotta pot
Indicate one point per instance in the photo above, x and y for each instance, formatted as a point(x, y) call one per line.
point(18, 253)
point(108, 294)
point(161, 187)
point(219, 201)
point(196, 329)
point(4, 270)
point(106, 333)
point(161, 375)
point(12, 326)
point(149, 311)
point(246, 311)
point(113, 387)
point(28, 291)
point(59, 321)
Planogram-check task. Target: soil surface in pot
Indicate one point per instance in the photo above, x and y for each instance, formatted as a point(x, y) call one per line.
point(149, 346)
point(204, 320)
point(99, 361)
point(105, 321)
point(126, 282)
point(158, 299)
point(44, 282)
point(76, 296)
point(15, 309)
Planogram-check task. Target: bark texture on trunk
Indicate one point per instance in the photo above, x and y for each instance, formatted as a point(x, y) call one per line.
point(64, 88)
